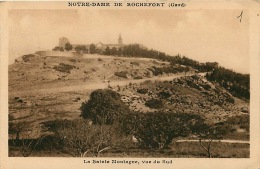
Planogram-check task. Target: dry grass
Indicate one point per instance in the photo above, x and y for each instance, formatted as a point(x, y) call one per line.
point(177, 150)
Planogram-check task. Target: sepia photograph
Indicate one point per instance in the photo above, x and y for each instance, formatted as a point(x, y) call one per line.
point(114, 85)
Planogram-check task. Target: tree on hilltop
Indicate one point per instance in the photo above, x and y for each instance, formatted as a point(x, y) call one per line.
point(107, 51)
point(81, 49)
point(68, 47)
point(92, 49)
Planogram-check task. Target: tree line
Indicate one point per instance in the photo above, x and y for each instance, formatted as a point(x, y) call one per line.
point(236, 83)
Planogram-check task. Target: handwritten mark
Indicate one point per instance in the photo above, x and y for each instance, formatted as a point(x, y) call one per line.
point(240, 16)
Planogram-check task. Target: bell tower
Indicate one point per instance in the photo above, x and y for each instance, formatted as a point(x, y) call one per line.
point(120, 40)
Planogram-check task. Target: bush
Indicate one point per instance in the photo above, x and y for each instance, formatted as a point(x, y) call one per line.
point(160, 70)
point(26, 58)
point(206, 86)
point(122, 74)
point(80, 138)
point(103, 107)
point(72, 60)
point(135, 63)
point(236, 83)
point(230, 100)
point(20, 100)
point(164, 94)
point(138, 77)
point(154, 104)
point(157, 130)
point(240, 120)
point(65, 68)
point(142, 91)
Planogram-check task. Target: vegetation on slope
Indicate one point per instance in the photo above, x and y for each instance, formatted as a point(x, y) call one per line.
point(153, 130)
point(236, 83)
point(108, 125)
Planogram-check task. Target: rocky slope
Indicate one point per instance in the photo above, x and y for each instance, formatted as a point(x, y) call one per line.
point(133, 78)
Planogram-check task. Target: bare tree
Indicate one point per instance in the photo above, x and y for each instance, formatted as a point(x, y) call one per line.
point(207, 133)
point(22, 137)
point(15, 129)
point(80, 138)
point(29, 143)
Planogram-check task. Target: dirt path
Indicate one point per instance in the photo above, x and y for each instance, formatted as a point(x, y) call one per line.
point(100, 85)
point(93, 56)
point(222, 141)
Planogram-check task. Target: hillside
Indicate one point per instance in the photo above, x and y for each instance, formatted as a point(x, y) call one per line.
point(42, 88)
point(48, 86)
point(38, 71)
point(45, 87)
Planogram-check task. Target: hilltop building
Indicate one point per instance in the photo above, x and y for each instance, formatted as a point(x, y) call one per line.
point(103, 46)
point(99, 46)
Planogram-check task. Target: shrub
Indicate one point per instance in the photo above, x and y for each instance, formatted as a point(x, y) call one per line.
point(103, 107)
point(236, 83)
point(72, 60)
point(154, 104)
point(142, 91)
point(65, 68)
point(240, 120)
point(26, 58)
point(206, 87)
point(80, 138)
point(230, 100)
point(122, 74)
point(157, 130)
point(160, 70)
point(138, 77)
point(20, 100)
point(135, 63)
point(17, 128)
point(193, 85)
point(164, 94)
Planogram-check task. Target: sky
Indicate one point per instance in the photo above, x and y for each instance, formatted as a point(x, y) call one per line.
point(202, 35)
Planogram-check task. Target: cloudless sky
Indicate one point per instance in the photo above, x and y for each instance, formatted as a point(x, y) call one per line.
point(203, 35)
